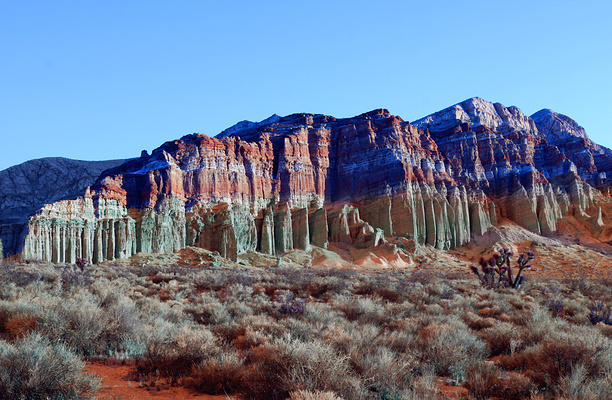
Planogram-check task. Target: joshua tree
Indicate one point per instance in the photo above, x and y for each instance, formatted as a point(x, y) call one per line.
point(497, 271)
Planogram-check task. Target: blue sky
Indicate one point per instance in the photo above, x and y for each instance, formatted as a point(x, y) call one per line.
point(105, 79)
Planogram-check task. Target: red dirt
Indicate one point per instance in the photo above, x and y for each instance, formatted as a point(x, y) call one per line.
point(451, 392)
point(119, 381)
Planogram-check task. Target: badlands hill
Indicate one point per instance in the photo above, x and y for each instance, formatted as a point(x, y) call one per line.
point(373, 182)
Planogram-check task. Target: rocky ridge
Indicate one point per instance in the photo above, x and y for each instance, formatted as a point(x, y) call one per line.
point(312, 180)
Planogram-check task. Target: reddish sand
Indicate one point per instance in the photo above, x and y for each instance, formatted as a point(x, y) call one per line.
point(451, 392)
point(120, 382)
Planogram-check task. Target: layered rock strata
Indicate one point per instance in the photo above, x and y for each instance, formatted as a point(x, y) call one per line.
point(302, 180)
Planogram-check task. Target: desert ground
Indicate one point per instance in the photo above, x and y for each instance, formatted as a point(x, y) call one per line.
point(401, 321)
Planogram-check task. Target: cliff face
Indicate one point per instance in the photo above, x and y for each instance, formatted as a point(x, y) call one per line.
point(305, 179)
point(27, 187)
point(536, 169)
point(293, 159)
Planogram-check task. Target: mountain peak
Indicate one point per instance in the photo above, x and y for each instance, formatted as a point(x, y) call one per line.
point(246, 125)
point(557, 128)
point(477, 112)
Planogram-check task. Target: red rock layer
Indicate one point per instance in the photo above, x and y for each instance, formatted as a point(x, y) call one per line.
point(296, 159)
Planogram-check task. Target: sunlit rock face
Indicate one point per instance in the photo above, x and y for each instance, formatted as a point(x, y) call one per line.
point(309, 179)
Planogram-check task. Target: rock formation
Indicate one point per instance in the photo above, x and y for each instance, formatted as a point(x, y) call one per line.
point(309, 180)
point(27, 187)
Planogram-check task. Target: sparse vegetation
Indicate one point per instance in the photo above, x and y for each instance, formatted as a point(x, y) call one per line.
point(283, 333)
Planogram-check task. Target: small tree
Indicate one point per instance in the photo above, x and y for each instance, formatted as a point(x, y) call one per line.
point(497, 271)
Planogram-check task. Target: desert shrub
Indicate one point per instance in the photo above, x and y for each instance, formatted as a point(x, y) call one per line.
point(249, 339)
point(18, 325)
point(73, 277)
point(217, 375)
point(577, 385)
point(578, 281)
point(539, 323)
point(484, 381)
point(318, 395)
point(401, 310)
point(122, 320)
point(214, 279)
point(560, 353)
point(23, 275)
point(366, 310)
point(555, 306)
point(598, 312)
point(209, 310)
point(266, 363)
point(476, 322)
point(229, 332)
point(352, 338)
point(243, 330)
point(17, 318)
point(315, 365)
point(172, 349)
point(606, 330)
point(450, 347)
point(299, 329)
point(396, 339)
point(380, 287)
point(77, 321)
point(321, 313)
point(287, 305)
point(322, 286)
point(503, 338)
point(9, 290)
point(275, 370)
point(237, 309)
point(384, 371)
point(422, 387)
point(110, 292)
point(34, 368)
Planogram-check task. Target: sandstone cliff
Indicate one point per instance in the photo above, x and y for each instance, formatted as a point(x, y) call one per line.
point(308, 179)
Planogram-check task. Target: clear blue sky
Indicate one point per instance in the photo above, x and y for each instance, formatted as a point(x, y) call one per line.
point(105, 79)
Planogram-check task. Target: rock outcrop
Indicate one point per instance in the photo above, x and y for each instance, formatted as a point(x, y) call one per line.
point(70, 229)
point(27, 187)
point(310, 180)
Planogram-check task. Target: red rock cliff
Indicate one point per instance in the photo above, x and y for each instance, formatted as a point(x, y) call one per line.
point(262, 186)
